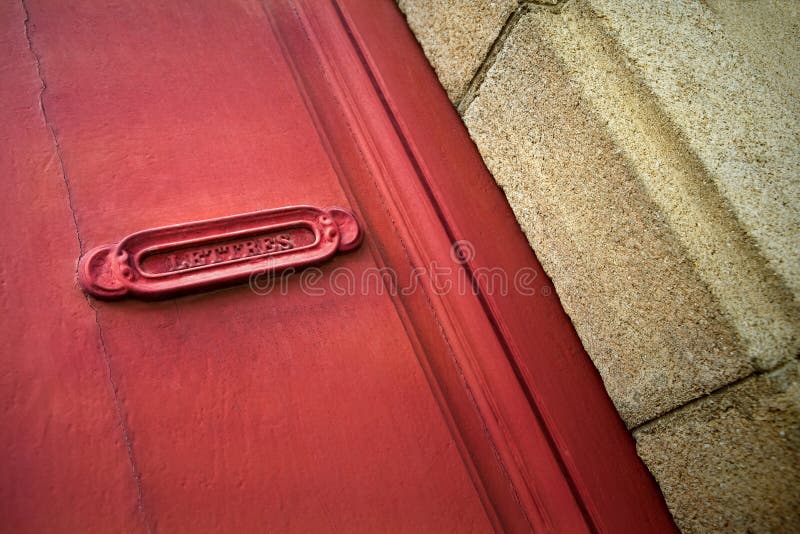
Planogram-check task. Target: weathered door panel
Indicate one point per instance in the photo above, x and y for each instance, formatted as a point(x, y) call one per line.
point(63, 459)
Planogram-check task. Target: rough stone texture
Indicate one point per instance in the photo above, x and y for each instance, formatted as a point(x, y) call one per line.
point(456, 35)
point(729, 463)
point(743, 127)
point(767, 31)
point(650, 324)
point(759, 306)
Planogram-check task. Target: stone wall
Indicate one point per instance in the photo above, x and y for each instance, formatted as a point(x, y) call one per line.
point(651, 151)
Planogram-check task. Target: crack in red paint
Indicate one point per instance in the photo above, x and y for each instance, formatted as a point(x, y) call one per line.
point(106, 357)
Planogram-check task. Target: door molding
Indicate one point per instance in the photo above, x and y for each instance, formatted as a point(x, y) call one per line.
point(527, 408)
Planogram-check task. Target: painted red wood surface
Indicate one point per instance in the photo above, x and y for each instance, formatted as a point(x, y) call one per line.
point(236, 411)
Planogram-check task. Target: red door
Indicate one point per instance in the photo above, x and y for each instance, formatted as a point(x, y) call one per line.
point(393, 386)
